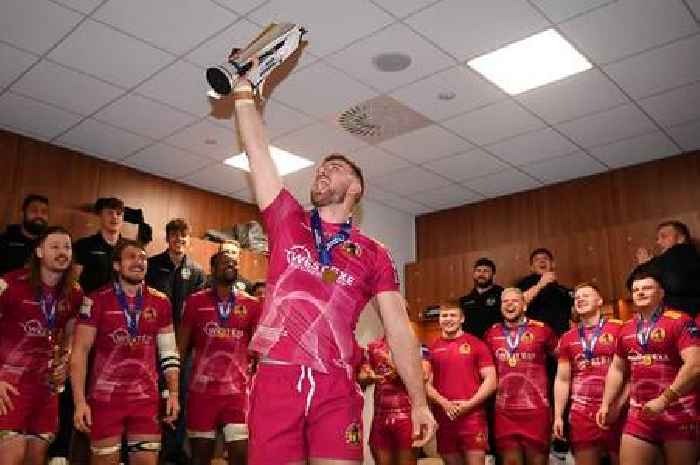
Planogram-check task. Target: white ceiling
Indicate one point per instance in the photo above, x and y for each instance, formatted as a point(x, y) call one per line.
point(124, 80)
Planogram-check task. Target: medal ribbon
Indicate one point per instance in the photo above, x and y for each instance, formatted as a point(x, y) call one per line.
point(132, 316)
point(512, 344)
point(223, 309)
point(588, 349)
point(323, 246)
point(644, 330)
point(48, 303)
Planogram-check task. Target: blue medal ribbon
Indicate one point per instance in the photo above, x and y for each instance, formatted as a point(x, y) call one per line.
point(323, 246)
point(48, 304)
point(644, 330)
point(589, 349)
point(132, 315)
point(512, 344)
point(223, 309)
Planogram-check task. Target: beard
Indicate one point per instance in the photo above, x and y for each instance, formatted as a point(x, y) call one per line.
point(327, 197)
point(228, 277)
point(35, 226)
point(483, 284)
point(131, 280)
point(55, 267)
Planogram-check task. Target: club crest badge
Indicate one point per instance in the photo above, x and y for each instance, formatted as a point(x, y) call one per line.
point(353, 434)
point(465, 349)
point(149, 314)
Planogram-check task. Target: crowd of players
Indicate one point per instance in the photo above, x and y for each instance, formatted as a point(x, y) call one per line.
point(630, 387)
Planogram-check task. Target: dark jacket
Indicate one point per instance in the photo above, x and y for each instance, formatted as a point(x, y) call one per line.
point(552, 305)
point(481, 311)
point(15, 248)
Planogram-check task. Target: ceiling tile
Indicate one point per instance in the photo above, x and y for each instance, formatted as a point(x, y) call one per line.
point(687, 135)
point(219, 178)
point(533, 146)
point(358, 59)
point(411, 180)
point(181, 85)
point(377, 194)
point(560, 10)
point(246, 195)
point(628, 26)
point(376, 162)
point(502, 183)
point(467, 165)
point(167, 161)
point(470, 92)
point(318, 140)
point(493, 123)
point(447, 197)
point(208, 139)
point(609, 126)
point(469, 29)
point(635, 150)
point(320, 90)
point(100, 140)
point(573, 97)
point(34, 117)
point(561, 169)
point(84, 6)
point(66, 88)
point(695, 6)
point(428, 143)
point(202, 19)
point(216, 49)
point(675, 106)
point(35, 25)
point(403, 8)
point(332, 24)
point(659, 69)
point(144, 116)
point(125, 62)
point(300, 181)
point(14, 62)
point(280, 119)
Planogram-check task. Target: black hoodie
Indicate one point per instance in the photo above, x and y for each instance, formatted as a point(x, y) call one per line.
point(15, 248)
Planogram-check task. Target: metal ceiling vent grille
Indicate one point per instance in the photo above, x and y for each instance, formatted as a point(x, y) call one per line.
point(380, 119)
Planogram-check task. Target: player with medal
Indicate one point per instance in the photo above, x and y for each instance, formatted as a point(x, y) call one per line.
point(659, 352)
point(522, 414)
point(584, 354)
point(217, 324)
point(38, 306)
point(462, 377)
point(128, 326)
point(305, 403)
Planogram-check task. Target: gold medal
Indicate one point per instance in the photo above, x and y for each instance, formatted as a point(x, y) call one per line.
point(647, 360)
point(512, 360)
point(329, 276)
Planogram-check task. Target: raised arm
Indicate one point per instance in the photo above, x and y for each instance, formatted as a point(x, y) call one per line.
point(266, 180)
point(406, 352)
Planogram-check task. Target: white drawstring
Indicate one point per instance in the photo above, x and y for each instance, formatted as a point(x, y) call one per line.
point(307, 373)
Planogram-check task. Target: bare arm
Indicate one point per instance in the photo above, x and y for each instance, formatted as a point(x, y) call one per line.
point(562, 385)
point(614, 381)
point(406, 353)
point(489, 382)
point(183, 340)
point(266, 180)
point(83, 340)
point(688, 376)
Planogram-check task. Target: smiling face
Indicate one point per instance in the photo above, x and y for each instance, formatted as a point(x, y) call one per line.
point(226, 268)
point(178, 241)
point(647, 293)
point(541, 263)
point(132, 265)
point(55, 252)
point(587, 301)
point(111, 220)
point(512, 305)
point(450, 321)
point(668, 236)
point(334, 181)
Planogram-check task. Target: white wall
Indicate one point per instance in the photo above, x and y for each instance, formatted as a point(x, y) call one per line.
point(397, 231)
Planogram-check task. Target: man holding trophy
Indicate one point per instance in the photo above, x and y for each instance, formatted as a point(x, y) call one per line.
point(305, 405)
point(38, 306)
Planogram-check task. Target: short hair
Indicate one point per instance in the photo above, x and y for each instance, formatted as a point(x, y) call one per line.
point(215, 258)
point(514, 290)
point(176, 225)
point(541, 250)
point(644, 272)
point(67, 279)
point(681, 228)
point(483, 261)
point(31, 198)
point(587, 284)
point(122, 245)
point(356, 170)
point(111, 203)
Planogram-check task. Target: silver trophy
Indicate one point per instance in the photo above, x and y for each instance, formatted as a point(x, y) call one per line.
point(272, 47)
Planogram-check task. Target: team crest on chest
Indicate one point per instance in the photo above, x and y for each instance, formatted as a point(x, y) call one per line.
point(465, 349)
point(491, 301)
point(658, 335)
point(528, 337)
point(149, 314)
point(352, 249)
point(353, 434)
point(240, 311)
point(606, 338)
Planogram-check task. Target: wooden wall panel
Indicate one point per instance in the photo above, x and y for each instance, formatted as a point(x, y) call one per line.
point(593, 226)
